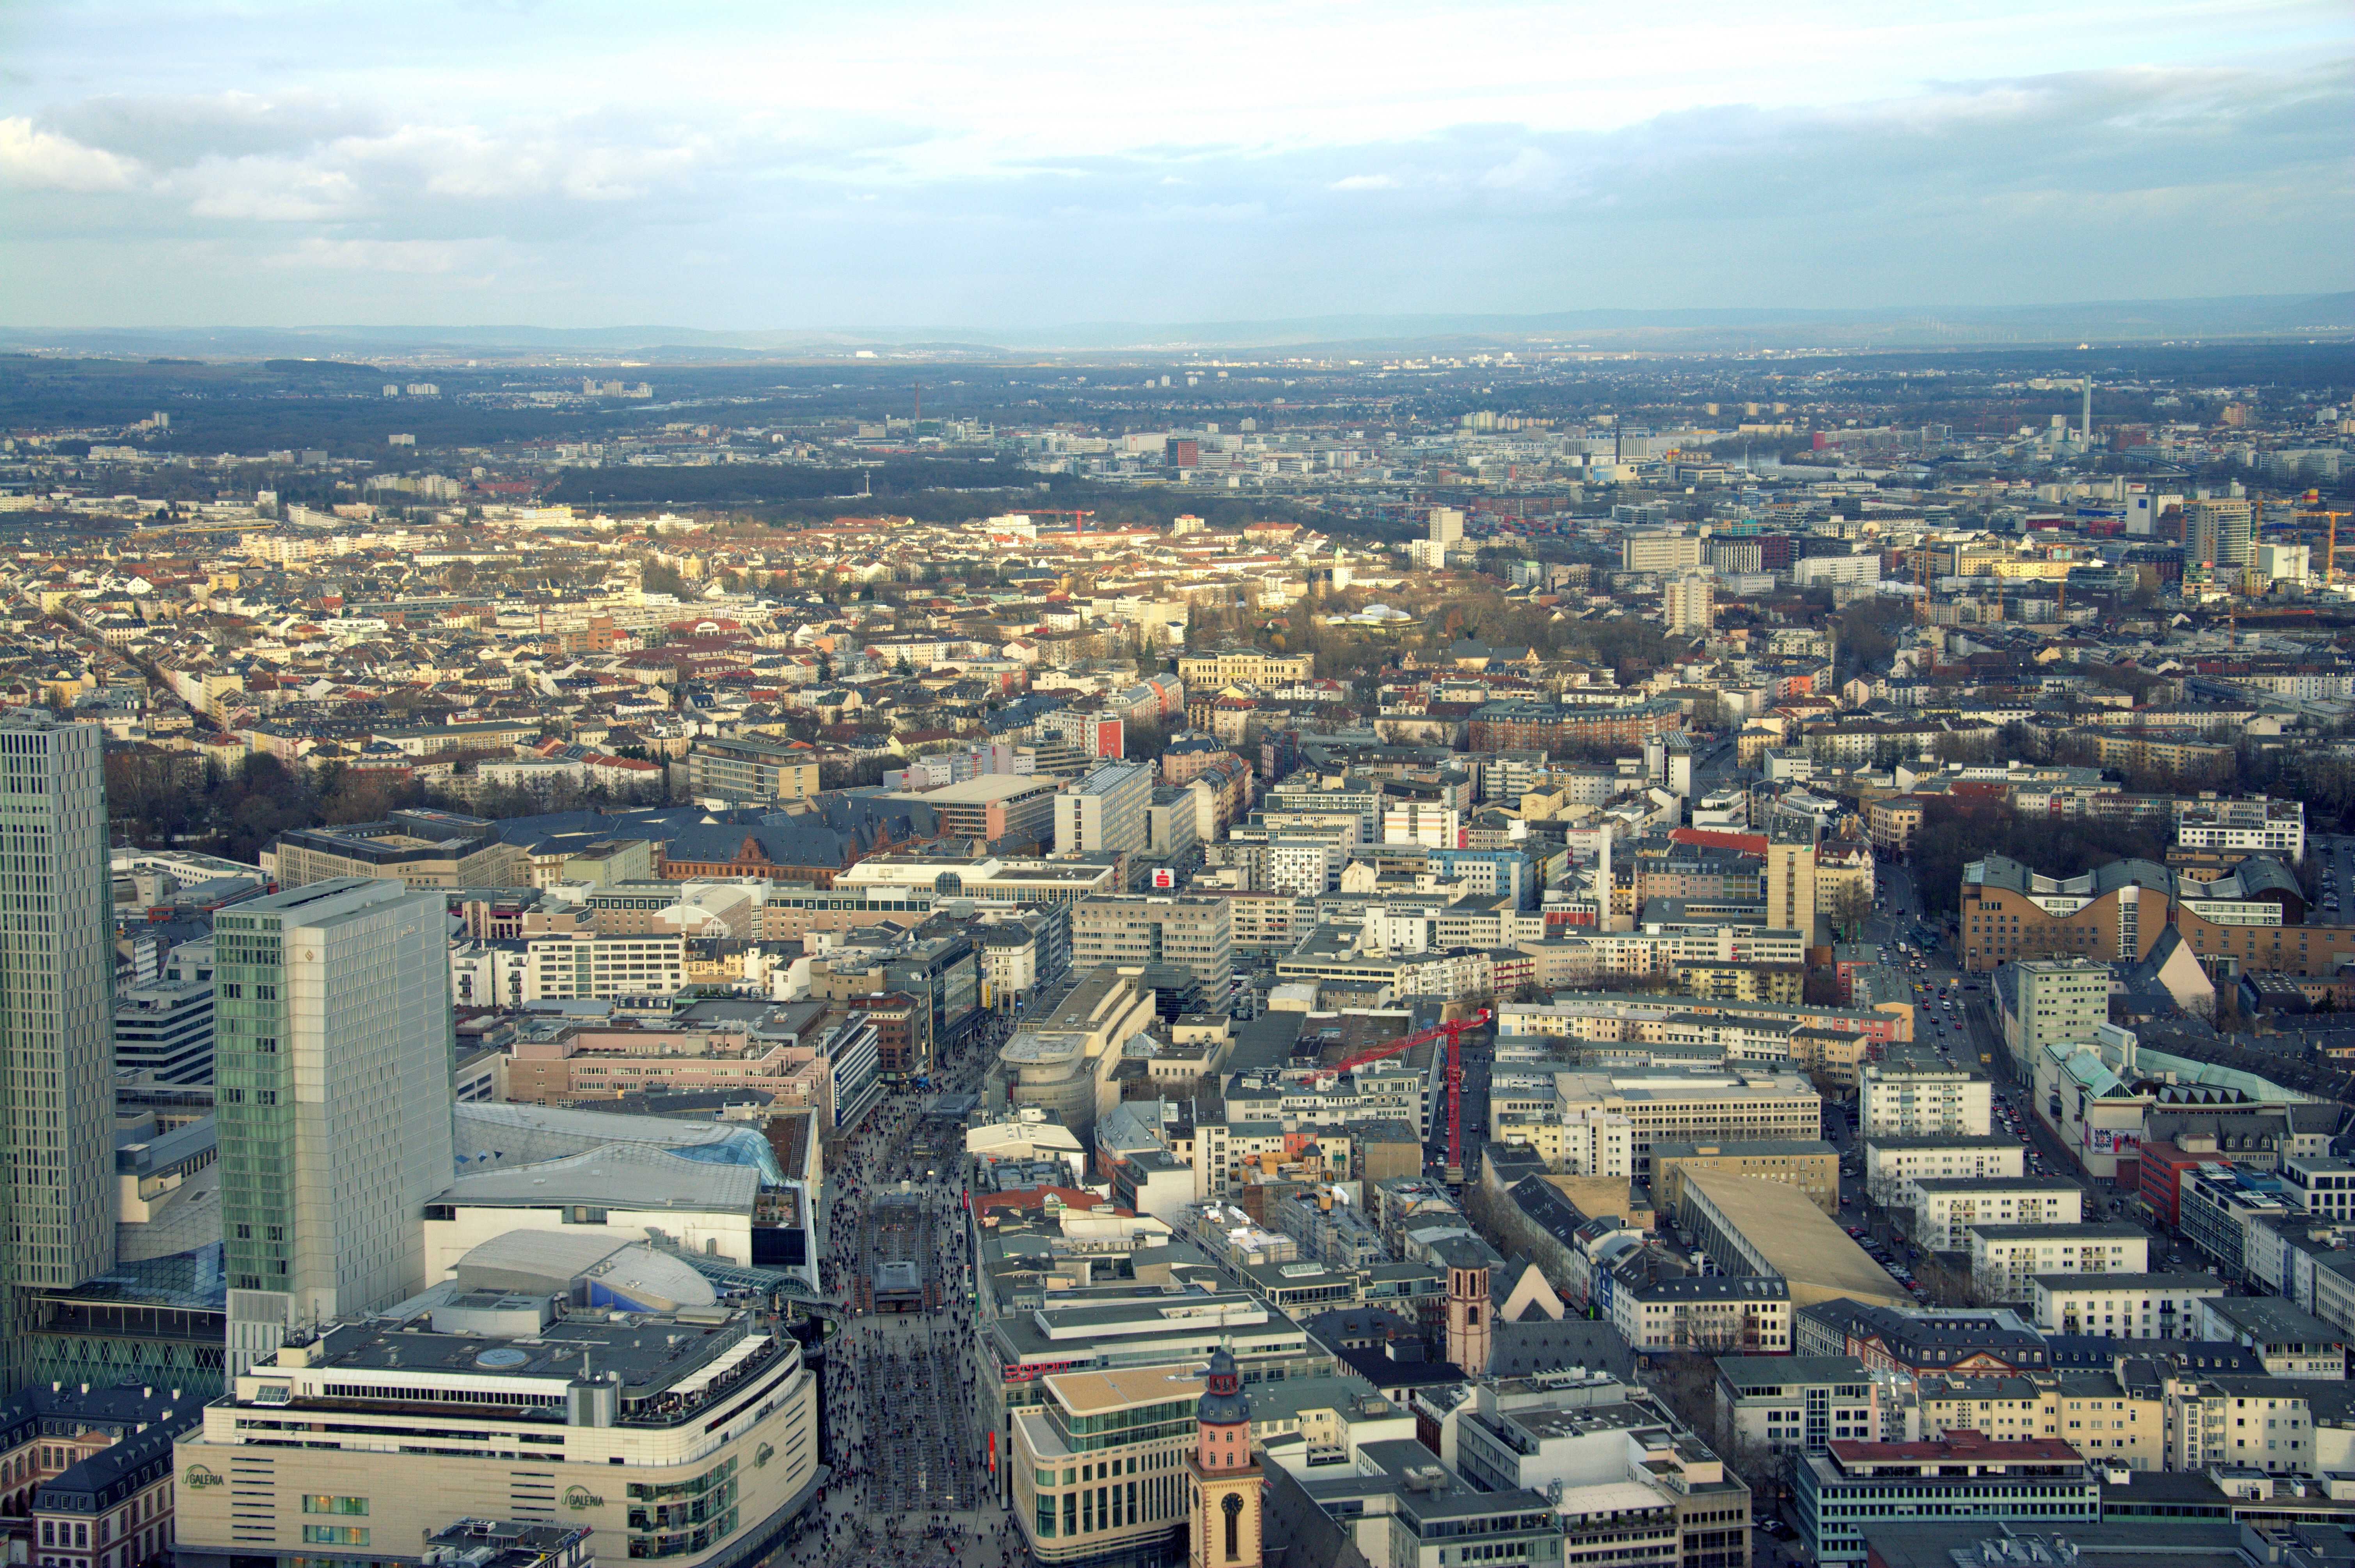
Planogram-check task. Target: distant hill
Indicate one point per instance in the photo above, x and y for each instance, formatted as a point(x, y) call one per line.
point(2252, 316)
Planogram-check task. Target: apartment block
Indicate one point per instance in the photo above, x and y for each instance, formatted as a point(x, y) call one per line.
point(2124, 1306)
point(2005, 1260)
point(1944, 1209)
point(1919, 1097)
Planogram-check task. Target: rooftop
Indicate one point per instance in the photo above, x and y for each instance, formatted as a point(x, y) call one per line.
point(667, 1366)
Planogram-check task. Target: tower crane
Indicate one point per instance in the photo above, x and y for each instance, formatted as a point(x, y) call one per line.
point(1451, 1032)
point(2331, 542)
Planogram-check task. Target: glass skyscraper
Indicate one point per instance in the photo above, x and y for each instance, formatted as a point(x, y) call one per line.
point(57, 1008)
point(332, 1083)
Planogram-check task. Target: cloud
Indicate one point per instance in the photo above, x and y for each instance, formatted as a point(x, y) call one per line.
point(574, 189)
point(374, 255)
point(177, 131)
point(35, 159)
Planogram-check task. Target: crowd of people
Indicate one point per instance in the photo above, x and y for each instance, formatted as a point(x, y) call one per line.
point(877, 1360)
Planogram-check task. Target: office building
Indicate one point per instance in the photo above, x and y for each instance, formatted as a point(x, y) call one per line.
point(2321, 1184)
point(332, 1083)
point(2219, 1204)
point(1678, 1106)
point(1104, 813)
point(421, 848)
point(1424, 823)
point(583, 967)
point(687, 1434)
point(1706, 1313)
point(1627, 1483)
point(1796, 1404)
point(1013, 808)
point(1446, 525)
point(57, 952)
point(1133, 929)
point(1842, 1491)
point(1657, 551)
point(742, 768)
point(1062, 1063)
point(1811, 1168)
point(165, 1027)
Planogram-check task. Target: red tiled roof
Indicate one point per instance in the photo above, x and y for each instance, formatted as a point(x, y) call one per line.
point(1748, 843)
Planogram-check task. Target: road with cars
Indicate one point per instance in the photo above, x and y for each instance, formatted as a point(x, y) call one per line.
point(2333, 855)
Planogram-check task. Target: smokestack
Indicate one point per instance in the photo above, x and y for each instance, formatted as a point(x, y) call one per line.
point(2088, 422)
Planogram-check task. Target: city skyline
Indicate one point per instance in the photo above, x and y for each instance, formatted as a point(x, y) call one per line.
point(912, 165)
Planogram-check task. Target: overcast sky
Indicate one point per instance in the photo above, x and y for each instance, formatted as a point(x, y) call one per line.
point(767, 165)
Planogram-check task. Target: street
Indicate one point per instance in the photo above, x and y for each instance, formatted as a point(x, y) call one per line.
point(910, 1481)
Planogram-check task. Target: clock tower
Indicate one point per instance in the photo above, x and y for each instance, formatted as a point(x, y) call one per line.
point(1226, 1480)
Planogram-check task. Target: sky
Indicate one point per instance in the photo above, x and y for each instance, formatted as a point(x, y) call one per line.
point(912, 163)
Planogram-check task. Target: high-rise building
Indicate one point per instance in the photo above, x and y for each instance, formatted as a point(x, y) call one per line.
point(1104, 813)
point(56, 980)
point(2058, 1000)
point(1446, 526)
point(332, 1089)
point(1791, 874)
point(2217, 533)
point(1689, 604)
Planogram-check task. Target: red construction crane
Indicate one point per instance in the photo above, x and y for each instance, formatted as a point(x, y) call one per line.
point(1450, 1032)
point(1079, 519)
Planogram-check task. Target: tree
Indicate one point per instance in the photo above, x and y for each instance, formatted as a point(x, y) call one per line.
point(658, 577)
point(1846, 907)
point(1144, 739)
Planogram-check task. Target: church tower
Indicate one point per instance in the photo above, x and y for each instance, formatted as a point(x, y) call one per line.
point(1469, 1332)
point(1226, 1480)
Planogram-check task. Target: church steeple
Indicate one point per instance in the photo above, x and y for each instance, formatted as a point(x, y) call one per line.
point(1226, 1478)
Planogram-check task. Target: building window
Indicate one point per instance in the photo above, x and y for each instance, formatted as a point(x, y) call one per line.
point(334, 1535)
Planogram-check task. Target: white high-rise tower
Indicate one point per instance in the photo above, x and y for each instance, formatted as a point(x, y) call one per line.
point(332, 1089)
